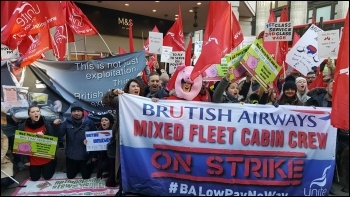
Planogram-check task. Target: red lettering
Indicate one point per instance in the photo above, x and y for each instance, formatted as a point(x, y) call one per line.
point(244, 140)
point(218, 168)
point(234, 161)
point(193, 131)
point(291, 142)
point(302, 139)
point(186, 165)
point(158, 131)
point(178, 132)
point(211, 134)
point(167, 130)
point(311, 139)
point(221, 134)
point(322, 140)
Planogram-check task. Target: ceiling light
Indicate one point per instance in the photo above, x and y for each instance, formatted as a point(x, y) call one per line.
point(126, 4)
point(176, 15)
point(199, 3)
point(154, 10)
point(190, 10)
point(175, 18)
point(157, 1)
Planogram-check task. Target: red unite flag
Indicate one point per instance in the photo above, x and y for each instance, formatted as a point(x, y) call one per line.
point(131, 40)
point(61, 38)
point(40, 45)
point(121, 50)
point(340, 97)
point(218, 44)
point(175, 36)
point(77, 21)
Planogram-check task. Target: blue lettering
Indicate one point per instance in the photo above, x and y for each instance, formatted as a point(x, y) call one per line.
point(160, 110)
point(301, 120)
point(147, 107)
point(101, 140)
point(244, 115)
point(311, 119)
point(228, 115)
point(278, 119)
point(264, 116)
point(292, 120)
point(213, 117)
point(191, 112)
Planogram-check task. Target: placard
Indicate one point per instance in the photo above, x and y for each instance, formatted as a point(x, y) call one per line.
point(278, 31)
point(155, 42)
point(328, 44)
point(97, 140)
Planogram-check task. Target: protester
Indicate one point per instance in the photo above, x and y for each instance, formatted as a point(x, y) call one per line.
point(111, 99)
point(37, 124)
point(248, 86)
point(227, 92)
point(289, 93)
point(310, 77)
point(74, 128)
point(6, 164)
point(103, 163)
point(302, 89)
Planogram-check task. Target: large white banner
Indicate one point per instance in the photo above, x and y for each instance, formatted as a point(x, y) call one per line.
point(176, 147)
point(304, 54)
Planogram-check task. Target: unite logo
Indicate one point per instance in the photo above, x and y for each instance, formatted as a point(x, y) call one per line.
point(211, 39)
point(59, 37)
point(76, 20)
point(320, 182)
point(34, 45)
point(26, 15)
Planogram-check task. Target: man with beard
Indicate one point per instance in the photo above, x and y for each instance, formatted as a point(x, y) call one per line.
point(74, 127)
point(154, 89)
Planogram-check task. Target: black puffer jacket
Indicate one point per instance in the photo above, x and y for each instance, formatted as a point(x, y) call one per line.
point(318, 97)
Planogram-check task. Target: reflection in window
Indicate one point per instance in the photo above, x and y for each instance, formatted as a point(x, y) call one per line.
point(324, 12)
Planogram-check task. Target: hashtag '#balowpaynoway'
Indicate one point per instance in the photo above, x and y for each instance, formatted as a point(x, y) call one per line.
point(173, 187)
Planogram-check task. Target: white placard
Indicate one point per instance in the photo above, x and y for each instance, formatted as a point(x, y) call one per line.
point(166, 54)
point(278, 31)
point(179, 57)
point(197, 51)
point(6, 52)
point(328, 44)
point(304, 54)
point(155, 42)
point(97, 140)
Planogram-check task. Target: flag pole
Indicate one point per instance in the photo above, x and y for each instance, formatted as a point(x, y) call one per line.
point(105, 44)
point(53, 40)
point(85, 52)
point(67, 44)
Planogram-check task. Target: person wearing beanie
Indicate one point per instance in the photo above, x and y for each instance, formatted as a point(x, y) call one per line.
point(74, 128)
point(302, 89)
point(289, 93)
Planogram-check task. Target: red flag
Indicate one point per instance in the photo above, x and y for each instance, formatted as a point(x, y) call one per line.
point(78, 22)
point(216, 46)
point(236, 31)
point(340, 98)
point(151, 62)
point(29, 18)
point(283, 45)
point(271, 46)
point(296, 38)
point(60, 41)
point(188, 53)
point(7, 8)
point(131, 40)
point(40, 45)
point(214, 13)
point(317, 83)
point(175, 37)
point(121, 51)
point(146, 47)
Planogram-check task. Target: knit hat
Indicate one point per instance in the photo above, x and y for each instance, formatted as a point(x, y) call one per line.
point(298, 79)
point(290, 83)
point(76, 106)
point(109, 117)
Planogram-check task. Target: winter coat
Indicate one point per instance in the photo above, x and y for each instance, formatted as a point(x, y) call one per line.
point(221, 96)
point(318, 97)
point(75, 136)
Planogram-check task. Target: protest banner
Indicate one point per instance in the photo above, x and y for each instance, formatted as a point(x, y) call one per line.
point(328, 44)
point(97, 140)
point(303, 56)
point(167, 54)
point(258, 62)
point(199, 148)
point(27, 143)
point(278, 31)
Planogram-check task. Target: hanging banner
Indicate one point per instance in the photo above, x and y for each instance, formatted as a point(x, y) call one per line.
point(172, 148)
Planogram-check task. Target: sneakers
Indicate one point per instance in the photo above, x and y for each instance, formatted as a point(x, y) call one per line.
point(60, 145)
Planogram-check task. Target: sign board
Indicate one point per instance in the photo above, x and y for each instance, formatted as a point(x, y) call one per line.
point(97, 140)
point(27, 143)
point(167, 54)
point(278, 31)
point(179, 57)
point(155, 42)
point(328, 44)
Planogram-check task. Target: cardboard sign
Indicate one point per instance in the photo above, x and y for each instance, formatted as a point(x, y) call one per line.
point(328, 44)
point(278, 31)
point(167, 54)
point(179, 57)
point(97, 140)
point(155, 42)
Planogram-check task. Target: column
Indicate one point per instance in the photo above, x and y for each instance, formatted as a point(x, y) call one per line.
point(246, 26)
point(262, 15)
point(341, 9)
point(298, 12)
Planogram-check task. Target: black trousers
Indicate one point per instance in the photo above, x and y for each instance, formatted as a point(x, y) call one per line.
point(46, 170)
point(73, 167)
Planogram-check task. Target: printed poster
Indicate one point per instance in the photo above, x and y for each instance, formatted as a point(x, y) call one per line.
point(258, 62)
point(27, 143)
point(278, 31)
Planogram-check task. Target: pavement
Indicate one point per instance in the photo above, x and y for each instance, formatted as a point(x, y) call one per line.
point(22, 175)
